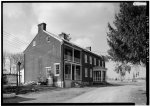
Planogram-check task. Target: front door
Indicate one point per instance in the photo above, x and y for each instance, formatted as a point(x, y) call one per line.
point(73, 71)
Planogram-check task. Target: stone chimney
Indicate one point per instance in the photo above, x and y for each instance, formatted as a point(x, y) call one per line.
point(64, 36)
point(41, 27)
point(88, 48)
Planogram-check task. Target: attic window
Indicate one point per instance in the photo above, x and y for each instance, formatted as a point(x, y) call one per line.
point(34, 43)
point(48, 39)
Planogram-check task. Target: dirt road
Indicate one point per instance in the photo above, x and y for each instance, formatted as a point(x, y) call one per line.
point(106, 94)
point(117, 93)
point(125, 93)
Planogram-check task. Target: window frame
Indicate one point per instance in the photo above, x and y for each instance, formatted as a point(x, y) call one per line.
point(56, 69)
point(76, 79)
point(48, 70)
point(48, 39)
point(34, 43)
point(70, 77)
point(90, 59)
point(85, 58)
point(86, 72)
point(91, 73)
point(94, 61)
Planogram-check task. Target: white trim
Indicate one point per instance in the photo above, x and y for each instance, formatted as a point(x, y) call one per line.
point(47, 67)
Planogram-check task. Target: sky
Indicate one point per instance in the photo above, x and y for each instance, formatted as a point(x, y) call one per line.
point(85, 22)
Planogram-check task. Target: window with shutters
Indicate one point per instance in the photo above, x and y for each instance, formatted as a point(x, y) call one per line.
point(94, 61)
point(86, 72)
point(91, 73)
point(85, 58)
point(90, 60)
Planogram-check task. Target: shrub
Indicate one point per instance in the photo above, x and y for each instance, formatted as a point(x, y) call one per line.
point(5, 81)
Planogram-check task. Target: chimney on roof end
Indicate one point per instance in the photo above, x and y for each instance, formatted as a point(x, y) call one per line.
point(88, 48)
point(41, 26)
point(64, 36)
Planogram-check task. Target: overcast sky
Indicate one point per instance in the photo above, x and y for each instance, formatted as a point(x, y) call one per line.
point(85, 22)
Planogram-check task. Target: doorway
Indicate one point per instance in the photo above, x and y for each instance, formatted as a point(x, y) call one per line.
point(73, 71)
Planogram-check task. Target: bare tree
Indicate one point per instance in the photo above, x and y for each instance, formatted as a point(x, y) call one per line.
point(19, 57)
point(4, 58)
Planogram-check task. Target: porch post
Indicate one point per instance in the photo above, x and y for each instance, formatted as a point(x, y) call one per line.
point(75, 72)
point(71, 71)
point(101, 75)
point(80, 72)
point(73, 54)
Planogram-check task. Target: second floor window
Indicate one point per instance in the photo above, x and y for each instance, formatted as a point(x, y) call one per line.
point(99, 63)
point(90, 60)
point(103, 63)
point(34, 43)
point(85, 58)
point(94, 61)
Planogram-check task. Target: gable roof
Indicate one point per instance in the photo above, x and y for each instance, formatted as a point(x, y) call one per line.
point(63, 40)
point(53, 35)
point(73, 44)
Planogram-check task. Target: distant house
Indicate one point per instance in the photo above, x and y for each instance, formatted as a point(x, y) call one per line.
point(10, 71)
point(9, 67)
point(137, 71)
point(52, 55)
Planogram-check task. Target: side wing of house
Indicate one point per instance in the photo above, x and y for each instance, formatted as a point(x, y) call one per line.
point(43, 58)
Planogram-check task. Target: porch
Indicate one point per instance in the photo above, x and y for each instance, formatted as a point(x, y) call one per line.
point(99, 74)
point(72, 73)
point(72, 54)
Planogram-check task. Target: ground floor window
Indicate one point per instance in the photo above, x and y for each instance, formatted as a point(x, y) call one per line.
point(67, 71)
point(57, 68)
point(91, 72)
point(104, 75)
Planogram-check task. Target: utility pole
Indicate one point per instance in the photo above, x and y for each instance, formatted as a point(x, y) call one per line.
point(18, 70)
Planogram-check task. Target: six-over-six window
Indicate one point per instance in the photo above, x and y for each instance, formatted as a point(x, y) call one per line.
point(100, 62)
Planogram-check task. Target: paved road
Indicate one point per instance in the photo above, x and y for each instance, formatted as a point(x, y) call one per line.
point(93, 95)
